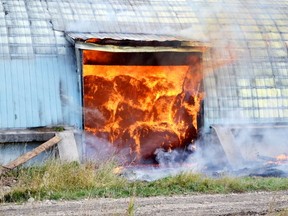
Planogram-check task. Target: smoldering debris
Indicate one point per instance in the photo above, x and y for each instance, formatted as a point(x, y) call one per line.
point(150, 173)
point(206, 157)
point(258, 148)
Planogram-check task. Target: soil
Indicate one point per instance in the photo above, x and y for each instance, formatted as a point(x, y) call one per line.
point(261, 203)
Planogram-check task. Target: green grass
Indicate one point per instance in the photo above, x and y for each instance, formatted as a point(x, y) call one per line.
point(131, 205)
point(56, 180)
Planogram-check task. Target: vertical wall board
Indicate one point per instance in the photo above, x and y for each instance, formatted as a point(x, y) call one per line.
point(8, 103)
point(3, 95)
point(27, 87)
point(71, 104)
point(34, 92)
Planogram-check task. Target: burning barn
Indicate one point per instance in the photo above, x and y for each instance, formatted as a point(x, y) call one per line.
point(143, 75)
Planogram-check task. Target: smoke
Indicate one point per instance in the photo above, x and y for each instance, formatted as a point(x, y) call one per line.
point(257, 147)
point(100, 149)
point(240, 84)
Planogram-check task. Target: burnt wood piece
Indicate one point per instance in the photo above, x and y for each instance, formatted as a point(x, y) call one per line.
point(31, 154)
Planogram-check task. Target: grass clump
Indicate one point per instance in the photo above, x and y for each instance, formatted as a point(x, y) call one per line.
point(187, 183)
point(58, 180)
point(131, 204)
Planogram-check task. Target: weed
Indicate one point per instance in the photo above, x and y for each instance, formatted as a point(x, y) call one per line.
point(58, 128)
point(58, 180)
point(131, 205)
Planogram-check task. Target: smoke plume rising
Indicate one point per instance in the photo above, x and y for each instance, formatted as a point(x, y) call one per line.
point(241, 82)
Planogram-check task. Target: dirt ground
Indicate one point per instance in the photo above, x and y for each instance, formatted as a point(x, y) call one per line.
point(261, 203)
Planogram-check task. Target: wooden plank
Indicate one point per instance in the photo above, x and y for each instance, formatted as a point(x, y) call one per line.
point(31, 154)
point(227, 141)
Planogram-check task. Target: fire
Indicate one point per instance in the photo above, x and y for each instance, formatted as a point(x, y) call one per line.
point(279, 159)
point(142, 107)
point(282, 157)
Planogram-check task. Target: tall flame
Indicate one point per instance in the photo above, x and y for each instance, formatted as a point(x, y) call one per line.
point(143, 107)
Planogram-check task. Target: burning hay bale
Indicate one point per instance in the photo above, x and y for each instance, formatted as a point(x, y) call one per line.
point(127, 115)
point(97, 90)
point(144, 139)
point(132, 90)
point(133, 113)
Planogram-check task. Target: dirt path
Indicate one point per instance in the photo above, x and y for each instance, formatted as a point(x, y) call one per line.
point(262, 203)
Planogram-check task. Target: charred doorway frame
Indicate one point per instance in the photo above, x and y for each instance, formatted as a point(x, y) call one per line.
point(111, 45)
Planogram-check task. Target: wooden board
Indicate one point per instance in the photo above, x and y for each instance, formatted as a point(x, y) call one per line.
point(227, 141)
point(31, 154)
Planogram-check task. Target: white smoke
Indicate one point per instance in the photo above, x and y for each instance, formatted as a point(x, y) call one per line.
point(258, 147)
point(231, 39)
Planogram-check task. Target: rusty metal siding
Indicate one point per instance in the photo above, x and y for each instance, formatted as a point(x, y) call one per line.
point(39, 92)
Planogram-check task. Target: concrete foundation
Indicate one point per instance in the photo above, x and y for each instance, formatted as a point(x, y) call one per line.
point(14, 143)
point(67, 147)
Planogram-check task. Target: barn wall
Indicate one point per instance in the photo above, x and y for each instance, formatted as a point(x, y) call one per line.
point(41, 91)
point(11, 151)
point(247, 69)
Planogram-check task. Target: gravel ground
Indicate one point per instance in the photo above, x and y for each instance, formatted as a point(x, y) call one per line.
point(261, 203)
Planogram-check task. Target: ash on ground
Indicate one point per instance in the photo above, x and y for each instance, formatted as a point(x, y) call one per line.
point(178, 161)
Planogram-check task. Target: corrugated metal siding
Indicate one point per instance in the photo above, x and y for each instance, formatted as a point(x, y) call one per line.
point(39, 92)
point(12, 151)
point(251, 36)
point(252, 86)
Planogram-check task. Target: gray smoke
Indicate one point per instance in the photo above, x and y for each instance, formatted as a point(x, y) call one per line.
point(240, 80)
point(257, 147)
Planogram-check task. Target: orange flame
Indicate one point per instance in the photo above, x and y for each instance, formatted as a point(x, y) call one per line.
point(282, 157)
point(142, 107)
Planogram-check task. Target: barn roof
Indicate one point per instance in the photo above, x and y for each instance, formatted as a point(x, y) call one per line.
point(36, 27)
point(247, 66)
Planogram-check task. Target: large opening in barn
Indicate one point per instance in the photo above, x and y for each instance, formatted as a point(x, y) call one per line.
point(142, 101)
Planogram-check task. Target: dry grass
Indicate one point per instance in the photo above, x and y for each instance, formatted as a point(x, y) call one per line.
point(57, 180)
point(56, 177)
point(282, 213)
point(131, 205)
